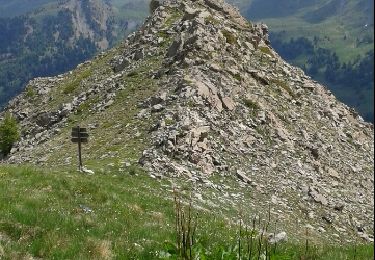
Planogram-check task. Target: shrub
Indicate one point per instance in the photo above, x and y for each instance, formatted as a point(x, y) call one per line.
point(8, 133)
point(251, 104)
point(30, 92)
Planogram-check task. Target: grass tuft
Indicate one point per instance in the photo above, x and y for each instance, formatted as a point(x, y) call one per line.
point(229, 37)
point(266, 50)
point(73, 84)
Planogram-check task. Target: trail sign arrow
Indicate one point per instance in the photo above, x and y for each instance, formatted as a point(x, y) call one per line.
point(78, 129)
point(76, 140)
point(80, 134)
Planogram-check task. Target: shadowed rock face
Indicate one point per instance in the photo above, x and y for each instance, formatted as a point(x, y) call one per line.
point(225, 104)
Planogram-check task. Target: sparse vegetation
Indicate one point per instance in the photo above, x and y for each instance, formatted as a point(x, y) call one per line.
point(174, 16)
point(229, 37)
point(30, 92)
point(238, 77)
point(266, 50)
point(251, 104)
point(284, 85)
point(73, 84)
point(211, 20)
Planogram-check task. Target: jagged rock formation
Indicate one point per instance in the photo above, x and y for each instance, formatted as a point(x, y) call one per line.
point(217, 100)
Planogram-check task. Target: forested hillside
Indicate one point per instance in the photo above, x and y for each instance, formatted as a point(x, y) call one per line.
point(27, 54)
point(332, 40)
point(351, 81)
point(54, 38)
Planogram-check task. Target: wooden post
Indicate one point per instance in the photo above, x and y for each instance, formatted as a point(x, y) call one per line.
point(79, 150)
point(79, 136)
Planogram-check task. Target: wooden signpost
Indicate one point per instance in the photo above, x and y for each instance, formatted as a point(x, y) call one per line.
point(79, 136)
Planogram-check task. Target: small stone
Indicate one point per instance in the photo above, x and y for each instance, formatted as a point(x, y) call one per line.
point(318, 197)
point(280, 237)
point(157, 108)
point(85, 209)
point(321, 230)
point(228, 103)
point(328, 219)
point(85, 170)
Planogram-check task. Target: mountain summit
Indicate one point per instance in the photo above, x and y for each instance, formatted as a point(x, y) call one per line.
point(197, 92)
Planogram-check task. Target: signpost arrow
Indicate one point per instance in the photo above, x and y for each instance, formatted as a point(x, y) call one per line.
point(76, 140)
point(80, 134)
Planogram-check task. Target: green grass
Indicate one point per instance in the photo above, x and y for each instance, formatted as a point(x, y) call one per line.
point(348, 21)
point(62, 214)
point(174, 16)
point(266, 50)
point(51, 221)
point(30, 92)
point(73, 84)
point(211, 20)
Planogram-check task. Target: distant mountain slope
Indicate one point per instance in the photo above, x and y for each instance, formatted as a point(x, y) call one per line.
point(11, 8)
point(54, 38)
point(332, 40)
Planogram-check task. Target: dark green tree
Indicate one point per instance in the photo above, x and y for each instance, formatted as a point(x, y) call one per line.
point(9, 133)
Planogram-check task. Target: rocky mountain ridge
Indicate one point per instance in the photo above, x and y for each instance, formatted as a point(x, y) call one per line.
point(198, 91)
point(331, 40)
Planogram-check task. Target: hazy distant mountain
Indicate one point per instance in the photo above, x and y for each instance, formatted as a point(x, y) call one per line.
point(11, 8)
point(51, 37)
point(332, 40)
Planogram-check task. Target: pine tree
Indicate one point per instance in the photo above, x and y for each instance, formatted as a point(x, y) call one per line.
point(9, 133)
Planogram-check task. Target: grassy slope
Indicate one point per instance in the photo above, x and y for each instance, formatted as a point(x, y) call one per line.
point(61, 214)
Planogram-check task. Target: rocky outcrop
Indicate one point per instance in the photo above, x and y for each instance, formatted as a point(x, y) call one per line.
point(226, 104)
